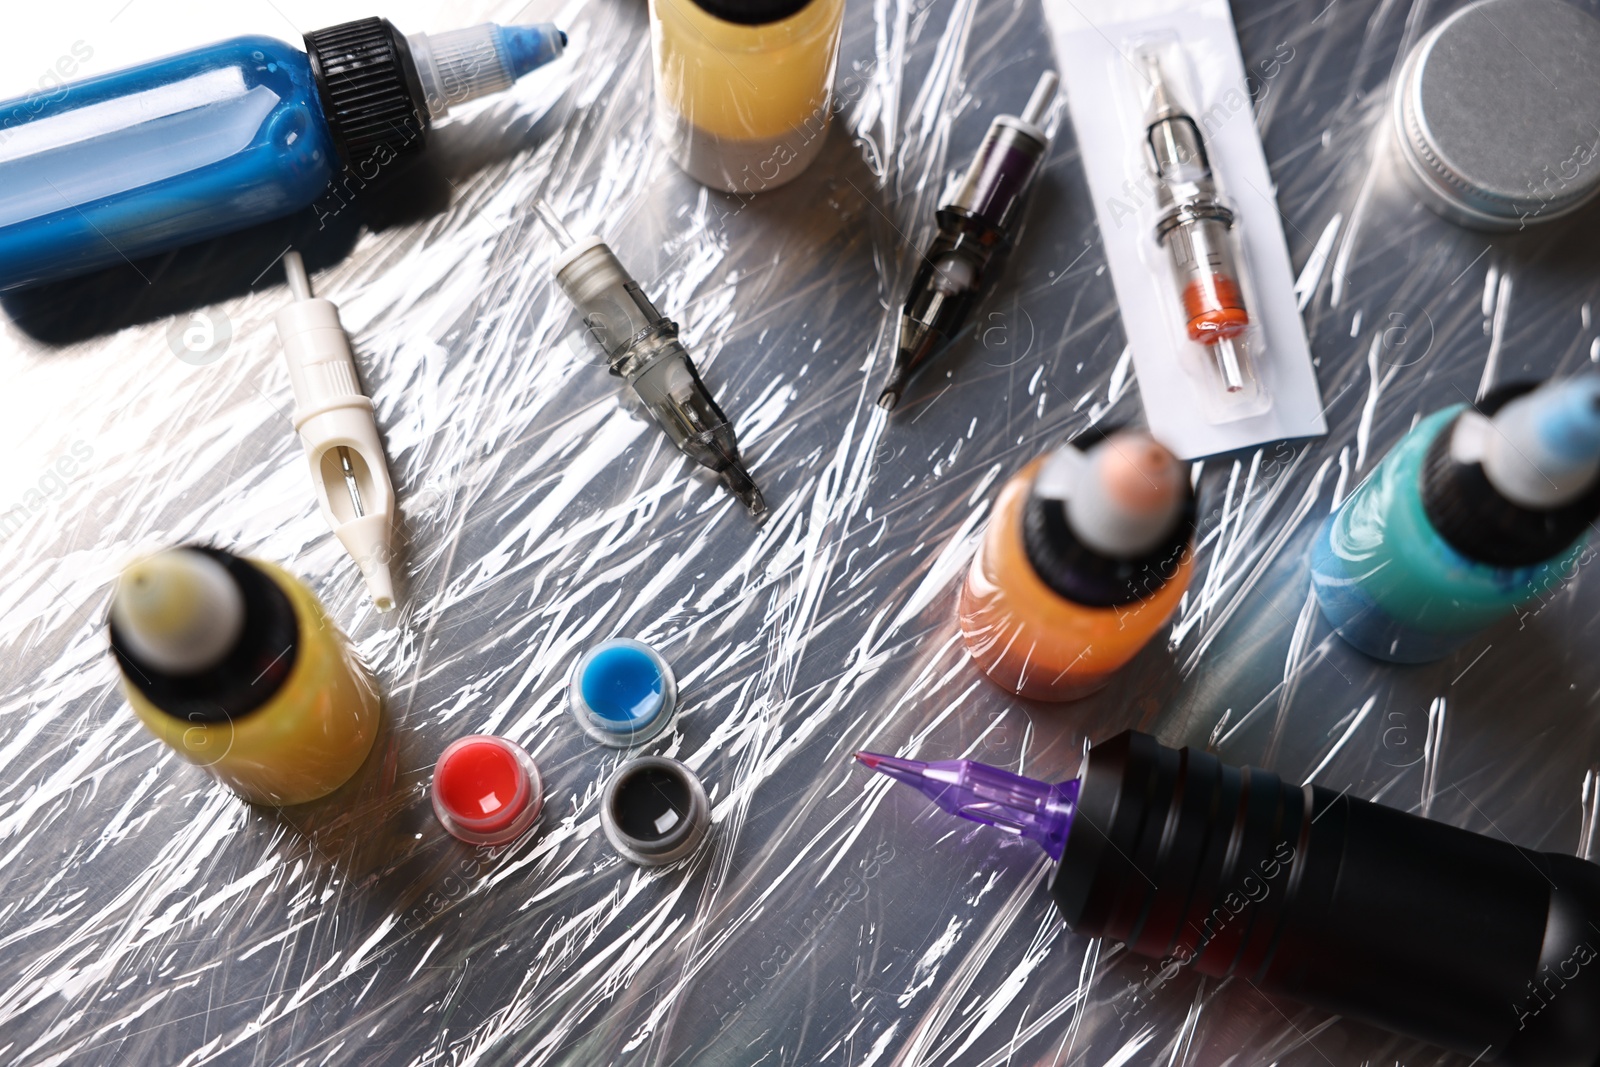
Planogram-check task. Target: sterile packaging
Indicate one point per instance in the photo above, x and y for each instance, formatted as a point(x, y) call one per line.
point(1162, 111)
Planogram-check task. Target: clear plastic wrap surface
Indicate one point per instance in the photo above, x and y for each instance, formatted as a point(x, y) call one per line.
point(148, 916)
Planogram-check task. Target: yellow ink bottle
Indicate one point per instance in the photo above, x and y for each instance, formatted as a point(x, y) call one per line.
point(1086, 556)
point(744, 88)
point(234, 664)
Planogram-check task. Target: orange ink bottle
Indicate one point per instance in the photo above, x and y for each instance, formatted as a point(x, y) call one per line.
point(1086, 556)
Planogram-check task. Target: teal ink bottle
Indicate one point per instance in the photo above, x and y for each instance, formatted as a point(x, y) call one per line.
point(1477, 512)
point(236, 133)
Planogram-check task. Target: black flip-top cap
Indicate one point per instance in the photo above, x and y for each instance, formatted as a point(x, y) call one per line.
point(1471, 515)
point(370, 92)
point(752, 12)
point(1085, 576)
point(249, 675)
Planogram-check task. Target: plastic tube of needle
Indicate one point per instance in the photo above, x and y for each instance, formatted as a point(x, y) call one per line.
point(1044, 94)
point(553, 223)
point(336, 425)
point(295, 269)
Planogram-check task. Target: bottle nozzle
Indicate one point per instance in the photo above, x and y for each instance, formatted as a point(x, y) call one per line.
point(179, 612)
point(1542, 450)
point(462, 65)
point(1122, 497)
point(527, 48)
point(1573, 430)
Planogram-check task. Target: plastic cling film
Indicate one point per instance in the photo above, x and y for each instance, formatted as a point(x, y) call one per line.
point(539, 512)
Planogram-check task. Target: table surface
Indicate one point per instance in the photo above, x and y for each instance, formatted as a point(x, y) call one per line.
point(147, 916)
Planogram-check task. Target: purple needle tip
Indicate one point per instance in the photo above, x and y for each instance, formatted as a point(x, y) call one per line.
point(1026, 807)
point(910, 771)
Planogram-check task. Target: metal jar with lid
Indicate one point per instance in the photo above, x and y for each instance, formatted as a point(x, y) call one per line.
point(1497, 113)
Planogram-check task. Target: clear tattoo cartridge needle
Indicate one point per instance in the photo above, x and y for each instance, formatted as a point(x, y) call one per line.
point(1195, 226)
point(642, 347)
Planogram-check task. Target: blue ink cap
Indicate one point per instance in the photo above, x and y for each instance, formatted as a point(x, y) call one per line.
point(622, 693)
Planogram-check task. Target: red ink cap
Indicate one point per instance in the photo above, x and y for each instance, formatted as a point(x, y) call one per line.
point(486, 790)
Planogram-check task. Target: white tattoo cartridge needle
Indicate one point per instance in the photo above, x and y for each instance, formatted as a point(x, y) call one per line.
point(335, 422)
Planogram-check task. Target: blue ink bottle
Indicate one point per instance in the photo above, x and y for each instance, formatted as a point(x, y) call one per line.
point(1477, 512)
point(236, 133)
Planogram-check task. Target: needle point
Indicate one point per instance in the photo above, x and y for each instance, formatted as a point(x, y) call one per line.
point(869, 759)
point(740, 484)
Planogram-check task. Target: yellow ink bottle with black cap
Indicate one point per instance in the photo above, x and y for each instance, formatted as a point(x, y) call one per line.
point(234, 664)
point(744, 88)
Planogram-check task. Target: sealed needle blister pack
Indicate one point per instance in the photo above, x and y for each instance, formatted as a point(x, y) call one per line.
point(1162, 111)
